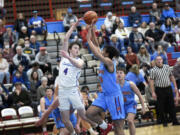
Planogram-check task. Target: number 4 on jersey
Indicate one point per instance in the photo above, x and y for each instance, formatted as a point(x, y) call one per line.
point(65, 71)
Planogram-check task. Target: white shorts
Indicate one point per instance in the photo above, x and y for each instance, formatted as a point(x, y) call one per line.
point(68, 98)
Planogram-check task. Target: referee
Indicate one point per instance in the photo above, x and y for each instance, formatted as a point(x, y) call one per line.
point(160, 84)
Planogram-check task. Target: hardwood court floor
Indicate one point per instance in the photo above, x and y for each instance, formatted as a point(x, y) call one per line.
point(156, 130)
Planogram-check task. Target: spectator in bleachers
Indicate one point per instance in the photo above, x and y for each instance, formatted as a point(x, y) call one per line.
point(104, 34)
point(155, 36)
point(134, 17)
point(41, 91)
point(56, 69)
point(35, 67)
point(23, 33)
point(43, 59)
point(160, 52)
point(10, 36)
point(21, 58)
point(34, 85)
point(143, 28)
point(28, 51)
point(20, 97)
point(168, 29)
point(2, 31)
point(144, 70)
point(155, 14)
point(135, 76)
point(50, 78)
point(109, 21)
point(131, 58)
point(3, 104)
point(136, 39)
point(23, 74)
point(20, 43)
point(176, 72)
point(144, 56)
point(8, 54)
point(4, 69)
point(177, 33)
point(20, 22)
point(116, 23)
point(2, 12)
point(37, 25)
point(168, 12)
point(34, 44)
point(115, 43)
point(69, 17)
point(123, 34)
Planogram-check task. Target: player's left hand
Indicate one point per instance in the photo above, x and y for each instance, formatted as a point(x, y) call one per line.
point(64, 54)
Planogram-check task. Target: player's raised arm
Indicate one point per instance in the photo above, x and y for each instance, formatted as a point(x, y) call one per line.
point(95, 49)
point(68, 34)
point(137, 92)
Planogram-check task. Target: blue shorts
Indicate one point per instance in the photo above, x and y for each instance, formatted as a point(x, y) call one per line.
point(130, 108)
point(114, 104)
point(59, 123)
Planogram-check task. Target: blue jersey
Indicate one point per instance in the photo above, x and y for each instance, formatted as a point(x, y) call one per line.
point(47, 104)
point(128, 93)
point(59, 123)
point(108, 80)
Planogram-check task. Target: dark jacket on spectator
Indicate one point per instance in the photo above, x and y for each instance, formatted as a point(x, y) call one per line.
point(157, 34)
point(19, 24)
point(33, 89)
point(133, 17)
point(22, 97)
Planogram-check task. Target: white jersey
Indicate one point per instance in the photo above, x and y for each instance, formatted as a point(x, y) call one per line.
point(68, 75)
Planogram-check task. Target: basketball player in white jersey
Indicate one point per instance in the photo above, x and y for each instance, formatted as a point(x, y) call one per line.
point(69, 73)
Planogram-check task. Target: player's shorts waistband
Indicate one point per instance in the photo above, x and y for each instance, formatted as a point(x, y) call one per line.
point(112, 94)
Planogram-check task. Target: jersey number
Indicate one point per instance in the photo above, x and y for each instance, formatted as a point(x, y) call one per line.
point(65, 71)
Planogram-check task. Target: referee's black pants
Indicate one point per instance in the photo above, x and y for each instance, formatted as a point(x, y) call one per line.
point(165, 104)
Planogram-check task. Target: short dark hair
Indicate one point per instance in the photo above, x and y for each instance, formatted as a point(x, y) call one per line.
point(85, 88)
point(112, 51)
point(35, 64)
point(48, 87)
point(74, 43)
point(118, 68)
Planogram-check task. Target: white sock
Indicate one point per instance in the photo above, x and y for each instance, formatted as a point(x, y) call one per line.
point(44, 129)
point(91, 130)
point(73, 133)
point(103, 125)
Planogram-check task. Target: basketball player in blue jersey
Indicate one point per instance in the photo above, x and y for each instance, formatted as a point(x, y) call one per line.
point(111, 98)
point(129, 90)
point(53, 110)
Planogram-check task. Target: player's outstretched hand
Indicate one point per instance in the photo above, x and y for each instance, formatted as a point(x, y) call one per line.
point(64, 54)
point(77, 23)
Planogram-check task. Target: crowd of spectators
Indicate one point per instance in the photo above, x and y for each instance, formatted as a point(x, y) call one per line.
point(26, 64)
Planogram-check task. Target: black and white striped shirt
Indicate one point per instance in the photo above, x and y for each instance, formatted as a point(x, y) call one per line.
point(161, 76)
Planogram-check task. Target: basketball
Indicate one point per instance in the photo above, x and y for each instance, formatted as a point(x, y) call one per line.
point(89, 16)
